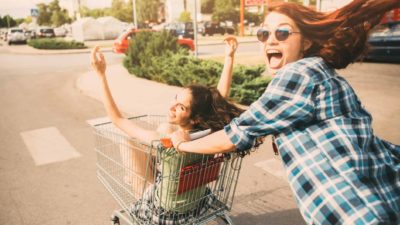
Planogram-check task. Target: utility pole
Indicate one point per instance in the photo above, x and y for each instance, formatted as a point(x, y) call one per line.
point(318, 5)
point(8, 21)
point(242, 18)
point(196, 51)
point(134, 14)
point(78, 13)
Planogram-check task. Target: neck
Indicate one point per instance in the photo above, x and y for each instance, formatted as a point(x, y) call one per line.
point(186, 127)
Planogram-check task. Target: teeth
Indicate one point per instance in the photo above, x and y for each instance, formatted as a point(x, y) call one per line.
point(272, 51)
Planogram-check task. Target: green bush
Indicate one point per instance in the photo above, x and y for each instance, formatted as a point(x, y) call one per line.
point(51, 43)
point(157, 56)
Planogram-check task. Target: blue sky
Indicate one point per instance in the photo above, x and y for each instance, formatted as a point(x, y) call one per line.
point(21, 8)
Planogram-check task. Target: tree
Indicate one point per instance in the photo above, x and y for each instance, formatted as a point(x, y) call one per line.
point(226, 10)
point(28, 19)
point(7, 21)
point(44, 17)
point(185, 17)
point(122, 10)
point(95, 13)
point(207, 6)
point(148, 10)
point(60, 17)
point(52, 14)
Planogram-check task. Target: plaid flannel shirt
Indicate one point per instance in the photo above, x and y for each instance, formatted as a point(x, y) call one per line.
point(339, 171)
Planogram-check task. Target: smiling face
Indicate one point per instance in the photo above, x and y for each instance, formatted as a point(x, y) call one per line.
point(279, 53)
point(180, 110)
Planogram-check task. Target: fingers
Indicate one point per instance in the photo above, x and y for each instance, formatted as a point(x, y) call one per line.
point(102, 59)
point(231, 41)
point(230, 38)
point(94, 54)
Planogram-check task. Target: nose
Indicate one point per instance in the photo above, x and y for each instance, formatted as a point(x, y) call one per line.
point(173, 106)
point(271, 40)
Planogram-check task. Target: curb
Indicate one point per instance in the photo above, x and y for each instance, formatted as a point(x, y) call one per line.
point(33, 51)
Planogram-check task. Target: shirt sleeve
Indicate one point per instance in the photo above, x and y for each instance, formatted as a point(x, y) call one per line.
point(287, 102)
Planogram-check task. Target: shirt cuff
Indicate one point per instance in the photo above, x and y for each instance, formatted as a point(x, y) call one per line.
point(238, 136)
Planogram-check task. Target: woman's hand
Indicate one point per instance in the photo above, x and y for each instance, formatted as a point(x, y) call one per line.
point(98, 61)
point(231, 45)
point(179, 137)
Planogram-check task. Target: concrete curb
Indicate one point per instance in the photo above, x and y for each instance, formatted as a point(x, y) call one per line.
point(27, 50)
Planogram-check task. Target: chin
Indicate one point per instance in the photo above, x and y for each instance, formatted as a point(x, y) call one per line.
point(271, 72)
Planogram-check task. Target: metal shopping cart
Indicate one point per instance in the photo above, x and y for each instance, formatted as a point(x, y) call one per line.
point(153, 183)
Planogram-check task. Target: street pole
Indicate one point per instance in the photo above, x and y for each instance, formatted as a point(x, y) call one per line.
point(196, 52)
point(8, 21)
point(242, 18)
point(134, 14)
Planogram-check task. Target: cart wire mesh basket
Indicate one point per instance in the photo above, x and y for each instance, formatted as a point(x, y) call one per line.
point(154, 184)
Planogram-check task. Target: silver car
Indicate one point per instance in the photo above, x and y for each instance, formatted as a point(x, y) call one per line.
point(16, 35)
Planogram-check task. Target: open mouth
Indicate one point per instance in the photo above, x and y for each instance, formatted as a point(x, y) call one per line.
point(274, 58)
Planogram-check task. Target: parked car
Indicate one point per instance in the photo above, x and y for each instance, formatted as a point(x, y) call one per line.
point(45, 33)
point(60, 32)
point(30, 34)
point(15, 35)
point(211, 28)
point(181, 30)
point(385, 43)
point(121, 44)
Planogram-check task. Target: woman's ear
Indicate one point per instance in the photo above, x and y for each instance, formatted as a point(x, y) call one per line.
point(306, 44)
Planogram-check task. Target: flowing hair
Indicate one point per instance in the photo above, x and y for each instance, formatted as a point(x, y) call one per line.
point(339, 37)
point(209, 110)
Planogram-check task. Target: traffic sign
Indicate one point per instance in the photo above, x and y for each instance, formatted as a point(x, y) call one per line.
point(34, 12)
point(254, 2)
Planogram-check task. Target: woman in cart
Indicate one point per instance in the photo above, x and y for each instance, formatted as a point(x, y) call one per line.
point(195, 108)
point(339, 171)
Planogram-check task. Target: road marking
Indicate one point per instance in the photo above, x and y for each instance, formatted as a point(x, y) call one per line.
point(48, 145)
point(274, 167)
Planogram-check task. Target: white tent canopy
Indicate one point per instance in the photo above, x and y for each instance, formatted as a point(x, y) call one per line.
point(111, 26)
point(86, 29)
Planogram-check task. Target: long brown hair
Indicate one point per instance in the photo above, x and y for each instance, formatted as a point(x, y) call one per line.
point(339, 37)
point(209, 110)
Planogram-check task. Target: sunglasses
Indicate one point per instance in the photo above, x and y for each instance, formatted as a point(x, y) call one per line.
point(281, 34)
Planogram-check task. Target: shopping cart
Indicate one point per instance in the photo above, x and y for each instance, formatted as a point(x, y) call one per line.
point(152, 182)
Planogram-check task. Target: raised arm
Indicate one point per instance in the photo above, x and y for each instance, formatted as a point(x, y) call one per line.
point(99, 65)
point(225, 80)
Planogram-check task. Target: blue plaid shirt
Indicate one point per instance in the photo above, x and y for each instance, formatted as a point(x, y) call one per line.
point(338, 170)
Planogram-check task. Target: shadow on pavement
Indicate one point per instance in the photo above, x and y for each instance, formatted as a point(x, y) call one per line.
point(285, 217)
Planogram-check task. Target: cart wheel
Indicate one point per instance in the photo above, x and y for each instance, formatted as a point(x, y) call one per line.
point(226, 219)
point(115, 220)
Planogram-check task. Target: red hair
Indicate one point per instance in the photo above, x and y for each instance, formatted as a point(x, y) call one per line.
point(339, 37)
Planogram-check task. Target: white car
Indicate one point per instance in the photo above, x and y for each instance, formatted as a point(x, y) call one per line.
point(16, 35)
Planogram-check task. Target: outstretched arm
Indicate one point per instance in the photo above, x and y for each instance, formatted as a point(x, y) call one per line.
point(217, 142)
point(225, 80)
point(99, 65)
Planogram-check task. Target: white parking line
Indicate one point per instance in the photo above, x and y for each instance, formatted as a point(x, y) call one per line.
point(48, 145)
point(274, 167)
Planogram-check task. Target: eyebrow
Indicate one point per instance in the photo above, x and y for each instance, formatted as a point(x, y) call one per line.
point(281, 24)
point(181, 104)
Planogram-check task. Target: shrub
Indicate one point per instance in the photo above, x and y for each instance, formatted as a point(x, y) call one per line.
point(50, 43)
point(157, 56)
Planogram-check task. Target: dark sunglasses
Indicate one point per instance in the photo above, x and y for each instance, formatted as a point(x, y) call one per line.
point(281, 34)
